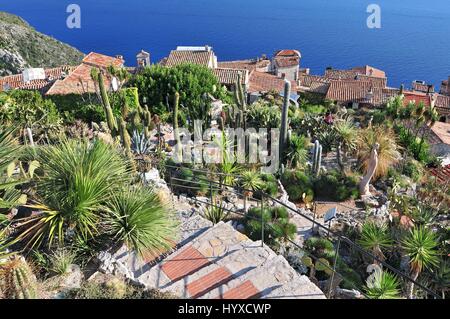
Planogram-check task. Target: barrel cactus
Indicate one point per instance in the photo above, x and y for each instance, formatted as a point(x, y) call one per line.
point(17, 280)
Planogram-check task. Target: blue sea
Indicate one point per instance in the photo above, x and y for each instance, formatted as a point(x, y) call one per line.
point(412, 44)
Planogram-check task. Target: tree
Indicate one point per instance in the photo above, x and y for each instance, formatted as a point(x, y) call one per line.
point(346, 137)
point(420, 245)
point(194, 83)
point(297, 150)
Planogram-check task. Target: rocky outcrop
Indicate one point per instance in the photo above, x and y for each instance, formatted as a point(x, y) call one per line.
point(21, 46)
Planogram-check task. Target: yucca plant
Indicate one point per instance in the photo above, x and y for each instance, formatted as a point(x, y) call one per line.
point(382, 285)
point(60, 260)
point(375, 238)
point(297, 151)
point(79, 179)
point(388, 151)
point(250, 182)
point(421, 246)
point(137, 218)
point(346, 138)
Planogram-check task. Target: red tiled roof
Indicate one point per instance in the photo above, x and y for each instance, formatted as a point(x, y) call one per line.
point(188, 261)
point(416, 97)
point(307, 79)
point(442, 173)
point(422, 87)
point(288, 53)
point(370, 71)
point(249, 65)
point(319, 87)
point(244, 291)
point(231, 76)
point(341, 74)
point(53, 74)
point(204, 58)
point(348, 91)
point(442, 131)
point(376, 81)
point(265, 82)
point(286, 62)
point(209, 282)
point(80, 81)
point(101, 60)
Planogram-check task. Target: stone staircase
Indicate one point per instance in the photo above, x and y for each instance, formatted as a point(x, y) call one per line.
point(219, 262)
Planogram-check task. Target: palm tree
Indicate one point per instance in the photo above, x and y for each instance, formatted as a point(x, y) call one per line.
point(297, 152)
point(431, 116)
point(136, 217)
point(250, 182)
point(79, 179)
point(382, 285)
point(388, 152)
point(421, 246)
point(375, 238)
point(346, 137)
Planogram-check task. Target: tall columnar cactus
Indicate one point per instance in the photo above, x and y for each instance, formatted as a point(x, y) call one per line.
point(239, 94)
point(284, 120)
point(317, 158)
point(176, 130)
point(125, 137)
point(110, 119)
point(17, 281)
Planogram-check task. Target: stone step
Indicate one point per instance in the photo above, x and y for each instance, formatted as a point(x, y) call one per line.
point(264, 282)
point(213, 244)
point(136, 266)
point(238, 260)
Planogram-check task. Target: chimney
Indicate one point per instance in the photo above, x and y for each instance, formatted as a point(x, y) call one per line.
point(120, 57)
point(430, 88)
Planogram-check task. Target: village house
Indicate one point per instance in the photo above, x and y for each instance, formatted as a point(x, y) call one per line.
point(445, 87)
point(79, 81)
point(205, 56)
point(286, 64)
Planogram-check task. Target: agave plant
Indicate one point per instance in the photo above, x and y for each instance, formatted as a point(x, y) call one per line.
point(375, 238)
point(137, 218)
point(79, 179)
point(421, 246)
point(382, 285)
point(140, 145)
point(216, 212)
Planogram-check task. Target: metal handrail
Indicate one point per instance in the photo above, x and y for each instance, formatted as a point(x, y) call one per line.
point(313, 221)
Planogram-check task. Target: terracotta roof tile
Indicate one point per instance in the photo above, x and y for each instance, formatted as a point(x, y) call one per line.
point(265, 82)
point(288, 53)
point(416, 97)
point(80, 81)
point(422, 87)
point(286, 62)
point(442, 173)
point(249, 65)
point(196, 57)
point(231, 76)
point(53, 74)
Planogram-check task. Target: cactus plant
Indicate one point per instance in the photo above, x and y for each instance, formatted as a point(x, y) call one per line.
point(17, 281)
point(125, 137)
point(176, 103)
point(110, 119)
point(317, 158)
point(239, 94)
point(284, 120)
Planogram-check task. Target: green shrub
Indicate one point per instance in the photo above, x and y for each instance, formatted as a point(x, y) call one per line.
point(412, 169)
point(336, 186)
point(296, 184)
point(276, 224)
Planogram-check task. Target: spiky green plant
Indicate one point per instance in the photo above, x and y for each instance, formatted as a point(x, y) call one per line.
point(382, 285)
point(421, 246)
point(216, 212)
point(250, 181)
point(375, 238)
point(297, 151)
point(137, 218)
point(79, 179)
point(60, 260)
point(17, 280)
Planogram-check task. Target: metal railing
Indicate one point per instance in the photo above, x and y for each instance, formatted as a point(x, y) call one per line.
point(337, 239)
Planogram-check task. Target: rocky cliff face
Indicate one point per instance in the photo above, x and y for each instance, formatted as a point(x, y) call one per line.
point(21, 46)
